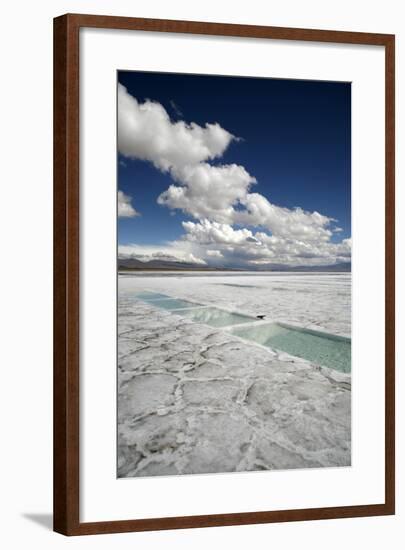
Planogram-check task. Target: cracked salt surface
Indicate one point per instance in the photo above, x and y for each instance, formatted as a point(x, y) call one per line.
point(197, 399)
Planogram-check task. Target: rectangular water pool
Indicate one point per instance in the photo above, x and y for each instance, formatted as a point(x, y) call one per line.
point(215, 317)
point(151, 296)
point(172, 303)
point(323, 349)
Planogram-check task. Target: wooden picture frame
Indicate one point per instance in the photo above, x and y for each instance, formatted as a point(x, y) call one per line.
point(67, 283)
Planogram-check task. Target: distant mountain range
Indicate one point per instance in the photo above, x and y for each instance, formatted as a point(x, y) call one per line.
point(155, 265)
point(338, 268)
point(132, 264)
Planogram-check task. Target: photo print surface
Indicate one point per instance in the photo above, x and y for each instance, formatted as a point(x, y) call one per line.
point(234, 274)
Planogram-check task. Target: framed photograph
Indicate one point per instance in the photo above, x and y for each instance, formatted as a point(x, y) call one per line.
point(223, 274)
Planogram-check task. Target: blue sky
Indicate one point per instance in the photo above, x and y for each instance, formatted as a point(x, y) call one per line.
point(288, 141)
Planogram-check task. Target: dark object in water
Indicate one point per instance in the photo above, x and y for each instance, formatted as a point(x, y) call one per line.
point(260, 317)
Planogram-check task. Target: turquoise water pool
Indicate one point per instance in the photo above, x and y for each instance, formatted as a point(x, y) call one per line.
point(172, 303)
point(151, 296)
point(211, 316)
point(215, 317)
point(320, 348)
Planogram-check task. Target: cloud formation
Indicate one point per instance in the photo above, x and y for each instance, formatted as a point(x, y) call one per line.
point(207, 232)
point(242, 246)
point(290, 223)
point(146, 132)
point(233, 224)
point(207, 191)
point(125, 208)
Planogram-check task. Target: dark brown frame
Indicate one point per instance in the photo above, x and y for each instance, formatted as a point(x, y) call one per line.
point(66, 274)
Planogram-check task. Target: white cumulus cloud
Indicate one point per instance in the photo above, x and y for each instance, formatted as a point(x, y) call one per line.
point(207, 232)
point(214, 254)
point(243, 246)
point(208, 191)
point(146, 132)
point(125, 208)
point(285, 222)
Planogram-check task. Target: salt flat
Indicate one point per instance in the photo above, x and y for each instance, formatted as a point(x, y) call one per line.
point(197, 399)
point(312, 300)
